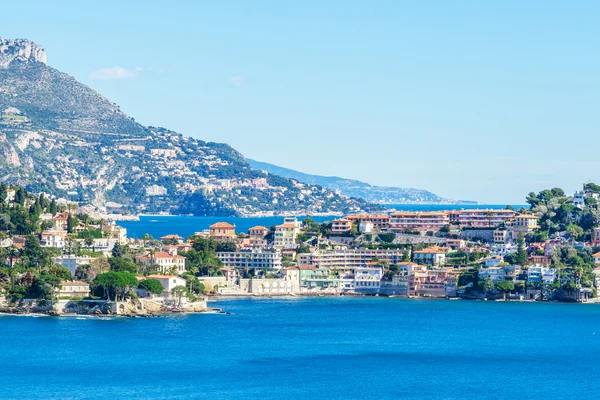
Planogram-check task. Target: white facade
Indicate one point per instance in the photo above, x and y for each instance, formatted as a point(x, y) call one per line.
point(251, 259)
point(337, 259)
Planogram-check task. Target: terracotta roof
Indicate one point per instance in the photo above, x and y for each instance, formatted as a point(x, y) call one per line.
point(287, 226)
point(225, 225)
point(156, 276)
point(74, 283)
point(259, 227)
point(526, 216)
point(596, 254)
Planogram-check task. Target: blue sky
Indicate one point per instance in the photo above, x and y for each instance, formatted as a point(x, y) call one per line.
point(469, 99)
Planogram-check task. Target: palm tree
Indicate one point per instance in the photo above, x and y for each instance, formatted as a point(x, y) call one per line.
point(490, 215)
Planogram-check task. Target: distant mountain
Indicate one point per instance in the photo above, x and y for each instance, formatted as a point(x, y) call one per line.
point(63, 138)
point(354, 188)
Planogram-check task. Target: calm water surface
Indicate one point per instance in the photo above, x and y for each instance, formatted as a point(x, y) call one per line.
point(323, 348)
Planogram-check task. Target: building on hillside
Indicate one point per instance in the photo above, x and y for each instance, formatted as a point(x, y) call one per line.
point(544, 261)
point(498, 273)
point(71, 261)
point(163, 262)
point(113, 231)
point(53, 239)
point(493, 261)
point(431, 256)
point(172, 239)
point(426, 282)
point(418, 221)
point(341, 225)
point(456, 244)
point(523, 223)
point(364, 280)
point(222, 230)
point(59, 221)
point(317, 280)
point(71, 289)
point(596, 240)
point(340, 259)
point(169, 282)
point(504, 249)
point(255, 259)
point(155, 190)
point(502, 236)
point(286, 234)
point(484, 218)
point(380, 222)
point(366, 227)
point(289, 284)
point(257, 236)
point(537, 274)
point(596, 257)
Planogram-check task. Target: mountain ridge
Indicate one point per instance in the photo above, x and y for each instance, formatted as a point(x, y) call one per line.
point(61, 137)
point(359, 189)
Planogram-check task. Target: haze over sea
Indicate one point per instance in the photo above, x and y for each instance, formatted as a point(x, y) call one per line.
point(311, 348)
point(185, 226)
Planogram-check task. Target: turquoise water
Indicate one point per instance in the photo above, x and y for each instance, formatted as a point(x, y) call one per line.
point(319, 348)
point(185, 226)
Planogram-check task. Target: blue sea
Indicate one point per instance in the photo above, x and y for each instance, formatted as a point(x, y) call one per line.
point(185, 226)
point(311, 348)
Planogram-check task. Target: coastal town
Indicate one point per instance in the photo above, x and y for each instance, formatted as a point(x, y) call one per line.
point(58, 259)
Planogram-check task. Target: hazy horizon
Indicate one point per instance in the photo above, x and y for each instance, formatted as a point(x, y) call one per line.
point(468, 100)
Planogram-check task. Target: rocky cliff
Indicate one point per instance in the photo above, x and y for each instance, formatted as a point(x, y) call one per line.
point(21, 50)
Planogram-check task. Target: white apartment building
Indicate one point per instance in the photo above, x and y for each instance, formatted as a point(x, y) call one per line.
point(339, 259)
point(286, 234)
point(251, 259)
point(163, 262)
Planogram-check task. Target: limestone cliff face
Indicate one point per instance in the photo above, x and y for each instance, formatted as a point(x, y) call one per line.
point(20, 50)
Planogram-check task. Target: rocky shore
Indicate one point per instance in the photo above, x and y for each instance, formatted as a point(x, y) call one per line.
point(103, 308)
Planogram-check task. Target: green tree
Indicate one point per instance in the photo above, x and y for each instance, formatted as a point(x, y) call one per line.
point(505, 287)
point(151, 286)
point(521, 255)
point(180, 292)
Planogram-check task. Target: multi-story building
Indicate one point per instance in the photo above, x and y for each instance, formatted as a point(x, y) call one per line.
point(113, 231)
point(537, 274)
point(70, 289)
point(256, 258)
point(498, 273)
point(163, 262)
point(71, 261)
point(380, 222)
point(257, 236)
point(596, 240)
point(484, 218)
point(222, 230)
point(431, 256)
point(341, 225)
point(524, 223)
point(339, 259)
point(427, 282)
point(366, 280)
point(53, 239)
point(286, 234)
point(418, 221)
point(60, 221)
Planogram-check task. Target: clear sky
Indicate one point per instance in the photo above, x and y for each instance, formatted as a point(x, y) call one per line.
point(481, 100)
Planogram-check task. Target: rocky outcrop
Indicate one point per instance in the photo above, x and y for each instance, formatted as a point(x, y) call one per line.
point(22, 50)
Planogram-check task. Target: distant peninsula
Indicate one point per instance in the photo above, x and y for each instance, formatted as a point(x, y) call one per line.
point(358, 189)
